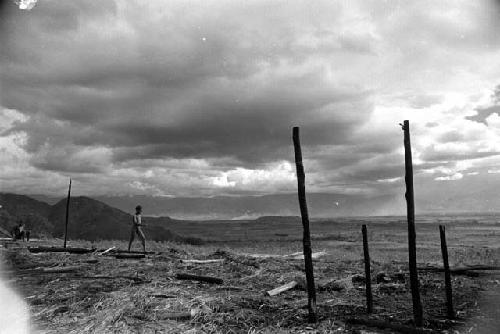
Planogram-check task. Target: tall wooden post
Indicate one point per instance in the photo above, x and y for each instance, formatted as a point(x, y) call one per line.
point(447, 274)
point(67, 214)
point(412, 248)
point(311, 290)
point(368, 279)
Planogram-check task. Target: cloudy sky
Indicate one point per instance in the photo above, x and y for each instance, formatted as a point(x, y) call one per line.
point(198, 98)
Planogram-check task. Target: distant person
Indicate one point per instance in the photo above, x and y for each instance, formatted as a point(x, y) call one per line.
point(19, 232)
point(136, 228)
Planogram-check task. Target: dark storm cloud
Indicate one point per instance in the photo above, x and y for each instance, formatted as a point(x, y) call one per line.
point(179, 97)
point(173, 90)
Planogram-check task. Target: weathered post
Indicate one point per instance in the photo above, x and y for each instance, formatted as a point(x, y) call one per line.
point(311, 290)
point(447, 274)
point(67, 214)
point(368, 282)
point(410, 209)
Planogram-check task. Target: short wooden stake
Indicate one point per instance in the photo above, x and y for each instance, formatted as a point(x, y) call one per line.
point(447, 273)
point(368, 282)
point(311, 291)
point(412, 248)
point(67, 214)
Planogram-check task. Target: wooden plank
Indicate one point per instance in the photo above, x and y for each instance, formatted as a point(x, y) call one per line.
point(283, 288)
point(306, 240)
point(124, 251)
point(207, 279)
point(107, 250)
point(75, 250)
point(202, 261)
point(130, 256)
point(300, 256)
point(412, 248)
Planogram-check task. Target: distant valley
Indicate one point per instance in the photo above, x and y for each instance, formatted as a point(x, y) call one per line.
point(250, 207)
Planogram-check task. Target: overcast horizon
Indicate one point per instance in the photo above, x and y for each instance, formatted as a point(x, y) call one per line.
point(198, 98)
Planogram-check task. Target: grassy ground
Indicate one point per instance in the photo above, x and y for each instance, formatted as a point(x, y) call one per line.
point(143, 293)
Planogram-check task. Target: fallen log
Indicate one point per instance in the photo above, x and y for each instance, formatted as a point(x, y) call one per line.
point(130, 256)
point(74, 250)
point(283, 288)
point(132, 278)
point(203, 261)
point(207, 279)
point(164, 296)
point(387, 325)
point(466, 270)
point(123, 251)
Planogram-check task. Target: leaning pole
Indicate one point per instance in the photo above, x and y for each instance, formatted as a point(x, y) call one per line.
point(410, 209)
point(311, 291)
point(67, 214)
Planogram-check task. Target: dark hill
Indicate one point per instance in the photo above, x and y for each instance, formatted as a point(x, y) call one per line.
point(88, 219)
point(93, 220)
point(18, 205)
point(33, 213)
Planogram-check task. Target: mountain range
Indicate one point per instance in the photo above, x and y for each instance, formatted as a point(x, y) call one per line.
point(251, 207)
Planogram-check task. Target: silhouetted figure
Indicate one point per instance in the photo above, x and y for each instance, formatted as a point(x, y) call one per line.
point(136, 228)
point(20, 232)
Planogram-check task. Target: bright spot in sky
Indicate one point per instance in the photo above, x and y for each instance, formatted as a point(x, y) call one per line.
point(26, 4)
point(204, 39)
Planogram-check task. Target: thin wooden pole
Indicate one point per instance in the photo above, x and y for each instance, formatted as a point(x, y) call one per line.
point(447, 274)
point(311, 290)
point(67, 214)
point(368, 280)
point(412, 248)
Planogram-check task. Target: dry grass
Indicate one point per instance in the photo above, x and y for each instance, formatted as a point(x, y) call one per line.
point(71, 303)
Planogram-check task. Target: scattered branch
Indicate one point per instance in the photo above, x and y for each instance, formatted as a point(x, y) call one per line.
point(206, 279)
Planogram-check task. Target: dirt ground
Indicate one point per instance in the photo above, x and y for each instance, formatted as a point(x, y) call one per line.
point(103, 294)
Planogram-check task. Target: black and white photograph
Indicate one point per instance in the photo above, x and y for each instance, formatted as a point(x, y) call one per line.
point(250, 166)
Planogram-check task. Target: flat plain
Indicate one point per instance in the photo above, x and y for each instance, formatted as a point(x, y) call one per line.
point(100, 293)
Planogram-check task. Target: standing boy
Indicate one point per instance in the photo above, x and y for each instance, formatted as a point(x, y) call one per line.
point(136, 228)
